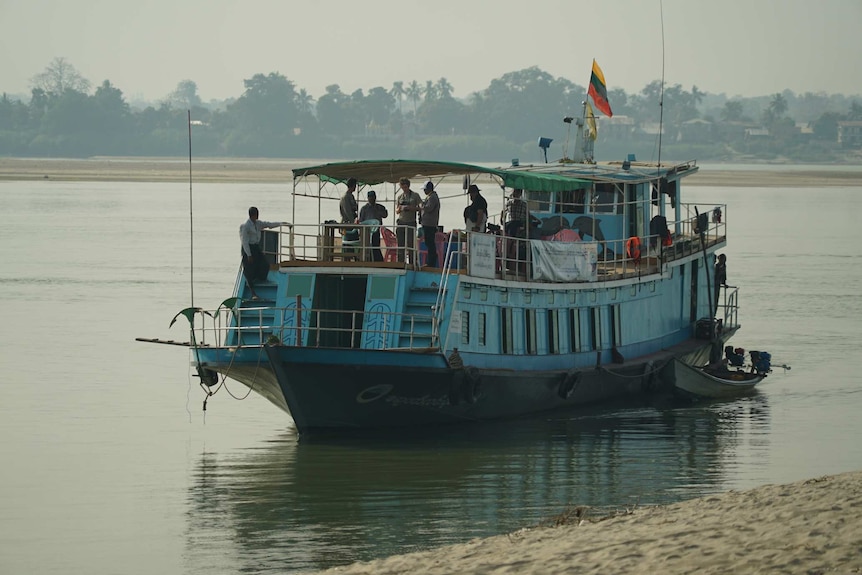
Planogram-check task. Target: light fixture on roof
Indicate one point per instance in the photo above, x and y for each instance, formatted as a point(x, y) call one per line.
point(545, 143)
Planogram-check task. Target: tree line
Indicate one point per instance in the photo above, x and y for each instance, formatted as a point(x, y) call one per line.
point(65, 117)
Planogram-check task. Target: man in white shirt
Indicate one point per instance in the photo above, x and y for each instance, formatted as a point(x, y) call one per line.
point(255, 268)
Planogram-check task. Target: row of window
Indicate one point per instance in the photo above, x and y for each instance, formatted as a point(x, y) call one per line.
point(565, 330)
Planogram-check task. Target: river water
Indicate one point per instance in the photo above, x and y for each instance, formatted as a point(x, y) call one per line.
point(109, 464)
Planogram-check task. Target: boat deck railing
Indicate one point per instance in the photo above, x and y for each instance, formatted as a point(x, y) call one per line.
point(371, 245)
point(256, 325)
point(727, 308)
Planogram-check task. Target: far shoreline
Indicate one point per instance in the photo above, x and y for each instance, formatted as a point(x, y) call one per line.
point(260, 170)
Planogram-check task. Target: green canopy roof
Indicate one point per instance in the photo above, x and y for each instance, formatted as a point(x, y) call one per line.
point(373, 172)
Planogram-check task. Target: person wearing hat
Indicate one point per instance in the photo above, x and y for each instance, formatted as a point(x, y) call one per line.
point(430, 219)
point(476, 214)
point(374, 211)
point(407, 207)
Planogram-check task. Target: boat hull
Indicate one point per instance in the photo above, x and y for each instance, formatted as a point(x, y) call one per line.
point(696, 382)
point(338, 390)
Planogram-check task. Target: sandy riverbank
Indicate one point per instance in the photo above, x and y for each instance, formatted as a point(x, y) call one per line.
point(812, 526)
point(279, 171)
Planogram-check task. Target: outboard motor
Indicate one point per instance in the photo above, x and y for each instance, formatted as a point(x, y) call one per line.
point(761, 361)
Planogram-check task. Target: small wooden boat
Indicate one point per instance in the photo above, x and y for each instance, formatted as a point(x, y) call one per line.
point(713, 383)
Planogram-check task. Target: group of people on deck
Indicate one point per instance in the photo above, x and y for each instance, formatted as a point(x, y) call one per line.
point(412, 210)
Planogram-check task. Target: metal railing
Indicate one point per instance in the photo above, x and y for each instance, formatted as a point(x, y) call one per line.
point(728, 306)
point(344, 329)
point(372, 243)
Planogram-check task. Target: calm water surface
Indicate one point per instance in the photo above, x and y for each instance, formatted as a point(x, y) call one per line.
point(111, 466)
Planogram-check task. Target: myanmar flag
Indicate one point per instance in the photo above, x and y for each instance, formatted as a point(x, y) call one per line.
point(598, 91)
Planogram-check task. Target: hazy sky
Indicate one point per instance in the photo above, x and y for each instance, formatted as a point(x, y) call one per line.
point(145, 47)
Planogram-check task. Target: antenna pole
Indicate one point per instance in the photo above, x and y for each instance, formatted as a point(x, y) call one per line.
point(661, 93)
point(191, 221)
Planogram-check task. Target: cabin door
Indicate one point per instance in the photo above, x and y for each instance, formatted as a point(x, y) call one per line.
point(339, 301)
point(635, 210)
point(694, 288)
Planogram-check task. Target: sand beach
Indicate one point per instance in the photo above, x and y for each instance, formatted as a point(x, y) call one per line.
point(279, 171)
point(812, 527)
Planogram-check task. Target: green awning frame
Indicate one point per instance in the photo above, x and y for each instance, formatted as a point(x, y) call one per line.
point(374, 172)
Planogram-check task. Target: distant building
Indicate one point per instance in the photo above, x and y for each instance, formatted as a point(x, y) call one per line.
point(695, 131)
point(850, 134)
point(618, 126)
point(756, 133)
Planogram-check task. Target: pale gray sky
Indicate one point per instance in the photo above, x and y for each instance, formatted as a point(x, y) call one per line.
point(145, 47)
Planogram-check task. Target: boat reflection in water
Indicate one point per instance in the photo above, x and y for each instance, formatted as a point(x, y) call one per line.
point(293, 506)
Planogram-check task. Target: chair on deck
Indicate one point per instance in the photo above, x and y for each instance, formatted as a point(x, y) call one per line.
point(351, 240)
point(391, 243)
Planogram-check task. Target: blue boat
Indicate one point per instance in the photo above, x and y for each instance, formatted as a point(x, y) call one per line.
point(592, 299)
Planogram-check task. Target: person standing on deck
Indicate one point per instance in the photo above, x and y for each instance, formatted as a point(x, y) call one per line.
point(348, 206)
point(516, 215)
point(255, 268)
point(374, 211)
point(430, 220)
point(476, 214)
point(720, 276)
point(407, 207)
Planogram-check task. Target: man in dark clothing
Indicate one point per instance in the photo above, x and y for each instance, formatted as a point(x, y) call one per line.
point(476, 214)
point(720, 276)
point(374, 211)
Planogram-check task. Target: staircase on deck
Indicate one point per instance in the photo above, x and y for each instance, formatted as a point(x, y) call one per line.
point(417, 323)
point(258, 319)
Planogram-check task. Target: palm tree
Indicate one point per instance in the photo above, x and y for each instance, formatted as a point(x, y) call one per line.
point(399, 92)
point(444, 88)
point(777, 108)
point(305, 102)
point(414, 92)
point(430, 91)
point(696, 96)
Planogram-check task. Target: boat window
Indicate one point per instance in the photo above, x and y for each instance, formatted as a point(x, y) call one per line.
point(382, 287)
point(299, 285)
point(538, 201)
point(596, 327)
point(553, 332)
point(506, 329)
point(574, 330)
point(615, 325)
point(571, 202)
point(480, 326)
point(465, 327)
point(606, 200)
point(530, 330)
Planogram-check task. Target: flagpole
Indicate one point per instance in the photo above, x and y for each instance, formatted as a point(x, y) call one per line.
point(191, 221)
point(661, 92)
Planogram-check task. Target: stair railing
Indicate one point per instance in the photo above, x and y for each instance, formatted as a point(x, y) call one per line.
point(440, 303)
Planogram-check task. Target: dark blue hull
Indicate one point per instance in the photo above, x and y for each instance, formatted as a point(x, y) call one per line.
point(328, 390)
